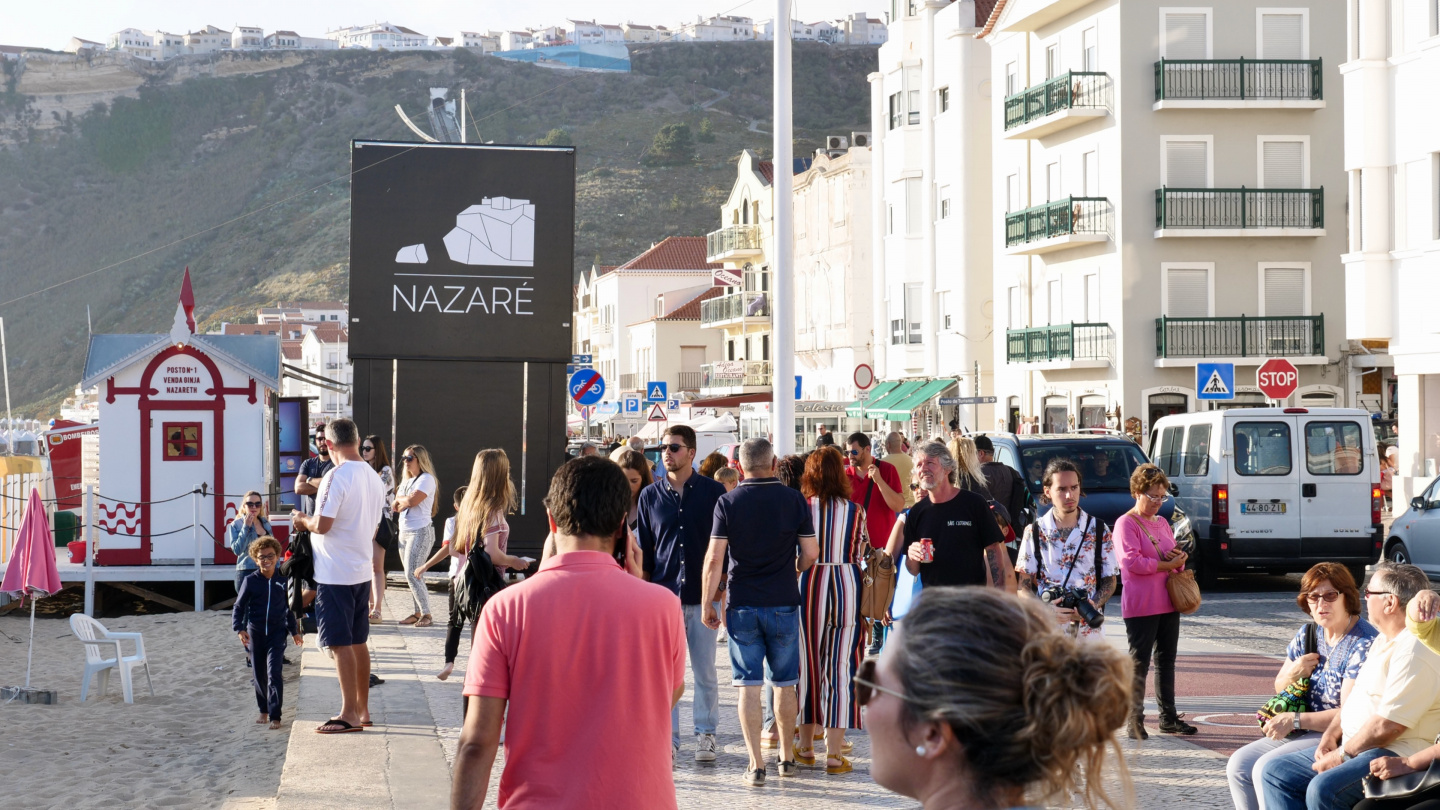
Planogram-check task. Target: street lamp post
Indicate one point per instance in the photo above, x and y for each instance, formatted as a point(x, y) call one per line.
point(782, 309)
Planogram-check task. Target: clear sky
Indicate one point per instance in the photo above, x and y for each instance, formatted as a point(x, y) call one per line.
point(51, 23)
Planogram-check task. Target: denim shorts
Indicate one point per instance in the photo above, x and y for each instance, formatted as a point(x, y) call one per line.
point(768, 636)
point(343, 614)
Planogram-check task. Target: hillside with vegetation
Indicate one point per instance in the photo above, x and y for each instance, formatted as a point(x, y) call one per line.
point(236, 165)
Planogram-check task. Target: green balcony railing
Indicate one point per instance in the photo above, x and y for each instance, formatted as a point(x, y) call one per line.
point(1069, 90)
point(1288, 336)
point(1071, 215)
point(1066, 341)
point(1238, 80)
point(1229, 208)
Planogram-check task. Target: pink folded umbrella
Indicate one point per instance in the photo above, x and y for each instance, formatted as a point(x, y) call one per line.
point(32, 569)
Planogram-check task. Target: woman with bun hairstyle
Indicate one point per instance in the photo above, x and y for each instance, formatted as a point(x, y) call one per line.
point(976, 714)
point(1148, 555)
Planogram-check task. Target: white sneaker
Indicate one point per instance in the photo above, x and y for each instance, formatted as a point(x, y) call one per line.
point(705, 748)
point(721, 637)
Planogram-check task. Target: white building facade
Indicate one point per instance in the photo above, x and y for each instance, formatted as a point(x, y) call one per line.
point(1392, 151)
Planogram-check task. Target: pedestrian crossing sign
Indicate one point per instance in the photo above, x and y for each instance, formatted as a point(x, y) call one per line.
point(1215, 381)
point(655, 392)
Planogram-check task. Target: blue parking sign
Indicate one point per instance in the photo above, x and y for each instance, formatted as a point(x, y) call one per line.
point(655, 392)
point(1215, 381)
point(632, 405)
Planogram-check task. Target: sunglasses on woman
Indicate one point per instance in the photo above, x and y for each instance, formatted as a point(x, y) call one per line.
point(1327, 597)
point(253, 504)
point(367, 449)
point(407, 458)
point(865, 686)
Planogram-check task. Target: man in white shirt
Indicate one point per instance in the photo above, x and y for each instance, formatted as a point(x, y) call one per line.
point(347, 505)
point(1392, 709)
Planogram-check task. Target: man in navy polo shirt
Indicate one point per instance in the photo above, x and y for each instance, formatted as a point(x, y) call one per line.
point(768, 531)
point(673, 532)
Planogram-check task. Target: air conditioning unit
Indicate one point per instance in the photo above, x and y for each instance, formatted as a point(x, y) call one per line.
point(834, 142)
point(860, 139)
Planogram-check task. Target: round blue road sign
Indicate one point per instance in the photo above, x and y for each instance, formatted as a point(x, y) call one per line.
point(587, 386)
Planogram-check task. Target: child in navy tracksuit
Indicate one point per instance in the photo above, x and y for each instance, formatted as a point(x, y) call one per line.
point(263, 619)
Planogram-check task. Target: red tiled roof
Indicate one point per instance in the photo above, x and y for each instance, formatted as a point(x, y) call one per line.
point(767, 168)
point(602, 269)
point(290, 349)
point(990, 11)
point(673, 253)
point(331, 332)
point(690, 310)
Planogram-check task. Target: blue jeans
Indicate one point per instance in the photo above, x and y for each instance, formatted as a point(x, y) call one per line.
point(1245, 766)
point(701, 641)
point(764, 645)
point(1288, 783)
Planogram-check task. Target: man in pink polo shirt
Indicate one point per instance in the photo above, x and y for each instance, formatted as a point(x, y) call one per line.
point(580, 664)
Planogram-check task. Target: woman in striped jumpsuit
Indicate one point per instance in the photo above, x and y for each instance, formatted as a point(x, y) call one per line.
point(832, 633)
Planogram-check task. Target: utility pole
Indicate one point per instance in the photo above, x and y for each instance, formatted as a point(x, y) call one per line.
point(782, 308)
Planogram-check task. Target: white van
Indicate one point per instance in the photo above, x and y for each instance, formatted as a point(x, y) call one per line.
point(1277, 489)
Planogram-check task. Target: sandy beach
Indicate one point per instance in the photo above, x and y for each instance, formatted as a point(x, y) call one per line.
point(192, 745)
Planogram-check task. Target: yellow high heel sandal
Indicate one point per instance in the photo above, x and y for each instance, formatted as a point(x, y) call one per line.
point(843, 767)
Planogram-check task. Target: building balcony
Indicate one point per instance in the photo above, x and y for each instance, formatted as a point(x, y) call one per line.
point(688, 381)
point(733, 243)
point(735, 308)
point(1063, 102)
point(727, 377)
point(1233, 84)
point(632, 382)
point(1244, 340)
point(1239, 212)
point(1058, 225)
point(1062, 346)
point(602, 334)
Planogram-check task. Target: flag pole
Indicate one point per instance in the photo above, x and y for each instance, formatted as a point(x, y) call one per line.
point(782, 304)
point(9, 422)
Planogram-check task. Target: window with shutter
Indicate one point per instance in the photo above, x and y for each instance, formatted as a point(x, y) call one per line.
point(1056, 309)
point(1052, 182)
point(1282, 36)
point(1013, 202)
point(1284, 164)
point(912, 206)
point(1284, 291)
point(1187, 164)
point(1186, 35)
point(1052, 62)
point(1089, 50)
point(1187, 292)
point(1092, 174)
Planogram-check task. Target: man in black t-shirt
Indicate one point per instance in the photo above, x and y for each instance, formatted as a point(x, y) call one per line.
point(307, 481)
point(966, 546)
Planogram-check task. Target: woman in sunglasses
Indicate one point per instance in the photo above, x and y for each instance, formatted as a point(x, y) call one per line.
point(977, 713)
point(1329, 596)
point(416, 503)
point(372, 450)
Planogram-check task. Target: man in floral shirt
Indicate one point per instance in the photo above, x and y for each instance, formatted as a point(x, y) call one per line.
point(1067, 548)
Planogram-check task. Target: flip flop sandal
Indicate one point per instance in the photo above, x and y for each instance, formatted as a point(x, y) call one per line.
point(375, 617)
point(411, 619)
point(343, 727)
point(425, 621)
point(367, 723)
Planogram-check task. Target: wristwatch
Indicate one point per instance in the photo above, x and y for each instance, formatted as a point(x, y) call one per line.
point(1297, 721)
point(1344, 755)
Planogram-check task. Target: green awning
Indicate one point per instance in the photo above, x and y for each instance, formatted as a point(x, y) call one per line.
point(856, 409)
point(900, 410)
point(876, 408)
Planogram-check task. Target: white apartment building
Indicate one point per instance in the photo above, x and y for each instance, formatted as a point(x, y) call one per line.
point(645, 33)
point(304, 312)
point(612, 34)
point(932, 218)
point(379, 35)
point(670, 346)
point(860, 29)
point(720, 28)
point(325, 352)
point(1173, 193)
point(210, 39)
point(245, 38)
point(799, 31)
point(833, 272)
point(610, 300)
point(583, 32)
point(135, 42)
point(1392, 154)
point(515, 40)
point(282, 39)
point(548, 36)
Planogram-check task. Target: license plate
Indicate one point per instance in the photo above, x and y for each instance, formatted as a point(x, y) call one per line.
point(1262, 508)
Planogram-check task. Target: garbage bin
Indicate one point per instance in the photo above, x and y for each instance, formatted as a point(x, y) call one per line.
point(67, 525)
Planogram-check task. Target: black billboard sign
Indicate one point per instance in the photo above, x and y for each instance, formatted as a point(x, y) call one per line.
point(461, 251)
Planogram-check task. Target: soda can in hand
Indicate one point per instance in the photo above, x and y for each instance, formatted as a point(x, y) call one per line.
point(927, 550)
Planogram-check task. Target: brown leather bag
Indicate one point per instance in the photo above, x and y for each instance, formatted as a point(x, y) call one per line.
point(1181, 585)
point(877, 584)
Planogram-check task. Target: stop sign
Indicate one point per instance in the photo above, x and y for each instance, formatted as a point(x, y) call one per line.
point(1277, 378)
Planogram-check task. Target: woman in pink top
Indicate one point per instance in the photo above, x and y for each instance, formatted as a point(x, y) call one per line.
point(1147, 557)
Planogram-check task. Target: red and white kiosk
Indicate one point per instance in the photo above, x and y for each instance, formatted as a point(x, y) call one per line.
point(181, 412)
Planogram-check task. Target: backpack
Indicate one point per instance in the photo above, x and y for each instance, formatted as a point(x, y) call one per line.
point(478, 581)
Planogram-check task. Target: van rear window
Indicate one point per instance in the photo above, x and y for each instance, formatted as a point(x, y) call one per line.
point(1197, 450)
point(1334, 448)
point(1262, 448)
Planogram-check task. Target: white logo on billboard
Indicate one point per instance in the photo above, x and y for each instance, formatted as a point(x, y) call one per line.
point(498, 232)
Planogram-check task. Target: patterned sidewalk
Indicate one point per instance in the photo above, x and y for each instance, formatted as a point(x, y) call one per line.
point(1164, 769)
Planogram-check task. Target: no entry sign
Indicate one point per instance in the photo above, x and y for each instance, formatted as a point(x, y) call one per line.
point(1277, 378)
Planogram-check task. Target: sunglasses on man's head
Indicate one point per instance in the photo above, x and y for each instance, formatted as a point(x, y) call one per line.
point(674, 448)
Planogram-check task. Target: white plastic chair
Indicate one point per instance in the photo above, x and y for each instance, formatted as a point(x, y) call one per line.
point(98, 641)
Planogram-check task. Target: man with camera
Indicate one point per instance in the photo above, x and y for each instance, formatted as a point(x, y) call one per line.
point(1067, 557)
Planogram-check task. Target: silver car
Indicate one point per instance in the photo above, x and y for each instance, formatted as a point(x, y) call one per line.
point(1415, 533)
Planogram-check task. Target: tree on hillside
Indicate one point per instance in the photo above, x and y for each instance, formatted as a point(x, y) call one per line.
point(556, 137)
point(706, 133)
point(672, 144)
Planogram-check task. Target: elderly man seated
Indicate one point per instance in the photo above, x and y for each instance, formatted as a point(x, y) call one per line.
point(1393, 709)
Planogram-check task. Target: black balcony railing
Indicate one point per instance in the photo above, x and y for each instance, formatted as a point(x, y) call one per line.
point(1238, 80)
point(1239, 208)
point(1065, 217)
point(1066, 341)
point(1294, 336)
point(1064, 92)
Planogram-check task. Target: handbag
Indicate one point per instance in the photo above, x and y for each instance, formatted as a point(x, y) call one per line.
point(1292, 698)
point(877, 584)
point(1184, 591)
point(1402, 787)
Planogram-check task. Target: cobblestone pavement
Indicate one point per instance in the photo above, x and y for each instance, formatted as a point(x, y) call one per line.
point(1254, 616)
